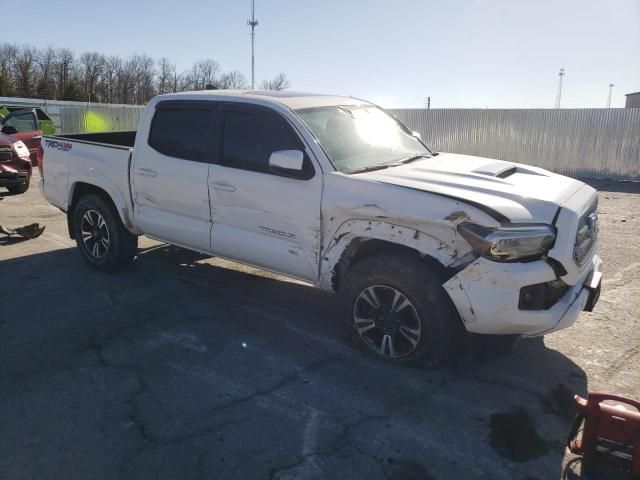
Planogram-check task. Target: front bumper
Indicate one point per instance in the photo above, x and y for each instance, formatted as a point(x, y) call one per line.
point(486, 295)
point(13, 178)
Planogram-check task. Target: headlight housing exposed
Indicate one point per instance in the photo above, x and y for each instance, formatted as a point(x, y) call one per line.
point(20, 148)
point(509, 243)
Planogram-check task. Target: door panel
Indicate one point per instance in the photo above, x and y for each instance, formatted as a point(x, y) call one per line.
point(169, 177)
point(171, 200)
point(259, 217)
point(268, 221)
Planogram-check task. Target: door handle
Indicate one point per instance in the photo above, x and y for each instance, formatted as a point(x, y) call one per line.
point(145, 172)
point(36, 137)
point(222, 185)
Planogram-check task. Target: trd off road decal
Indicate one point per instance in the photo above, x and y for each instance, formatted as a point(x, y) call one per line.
point(63, 146)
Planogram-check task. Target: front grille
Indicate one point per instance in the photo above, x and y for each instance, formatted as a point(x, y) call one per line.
point(6, 153)
point(586, 235)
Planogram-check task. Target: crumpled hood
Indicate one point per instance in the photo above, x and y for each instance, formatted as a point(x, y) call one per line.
point(521, 193)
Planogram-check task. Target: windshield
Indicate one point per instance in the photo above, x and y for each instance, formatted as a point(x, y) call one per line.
point(357, 138)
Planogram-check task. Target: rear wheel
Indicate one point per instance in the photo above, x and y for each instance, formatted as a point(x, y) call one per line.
point(16, 189)
point(397, 310)
point(102, 239)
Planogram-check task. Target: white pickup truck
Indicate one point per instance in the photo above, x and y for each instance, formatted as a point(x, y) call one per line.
point(334, 191)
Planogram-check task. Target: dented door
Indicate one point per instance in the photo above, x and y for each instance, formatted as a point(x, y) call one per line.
point(260, 217)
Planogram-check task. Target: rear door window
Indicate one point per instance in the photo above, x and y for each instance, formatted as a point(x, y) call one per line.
point(182, 132)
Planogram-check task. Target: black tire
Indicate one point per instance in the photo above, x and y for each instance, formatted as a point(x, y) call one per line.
point(120, 247)
point(406, 274)
point(16, 189)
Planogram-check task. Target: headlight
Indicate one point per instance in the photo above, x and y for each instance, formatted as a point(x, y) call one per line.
point(509, 243)
point(20, 147)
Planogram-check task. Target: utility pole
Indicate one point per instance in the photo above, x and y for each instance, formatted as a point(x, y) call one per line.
point(559, 94)
point(427, 103)
point(253, 23)
point(611, 85)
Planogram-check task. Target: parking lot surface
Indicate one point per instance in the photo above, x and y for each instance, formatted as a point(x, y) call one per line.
point(189, 367)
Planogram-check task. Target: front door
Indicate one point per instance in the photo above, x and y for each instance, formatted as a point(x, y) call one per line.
point(24, 125)
point(261, 217)
point(169, 174)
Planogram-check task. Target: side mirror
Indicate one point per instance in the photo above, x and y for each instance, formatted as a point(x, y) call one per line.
point(286, 161)
point(415, 134)
point(9, 130)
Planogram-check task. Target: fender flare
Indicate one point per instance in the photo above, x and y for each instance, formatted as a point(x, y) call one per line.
point(115, 194)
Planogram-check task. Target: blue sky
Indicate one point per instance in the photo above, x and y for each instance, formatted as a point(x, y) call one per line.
point(462, 53)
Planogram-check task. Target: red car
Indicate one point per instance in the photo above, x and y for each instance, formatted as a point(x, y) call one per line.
point(15, 164)
point(25, 124)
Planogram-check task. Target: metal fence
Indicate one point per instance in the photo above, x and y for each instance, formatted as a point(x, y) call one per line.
point(599, 143)
point(83, 117)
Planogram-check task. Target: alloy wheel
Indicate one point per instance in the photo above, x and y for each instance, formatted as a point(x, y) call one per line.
point(95, 234)
point(387, 321)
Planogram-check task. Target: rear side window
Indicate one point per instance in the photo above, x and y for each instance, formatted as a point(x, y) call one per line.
point(250, 139)
point(182, 133)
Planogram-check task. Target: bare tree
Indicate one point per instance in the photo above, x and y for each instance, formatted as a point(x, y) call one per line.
point(109, 84)
point(204, 73)
point(7, 60)
point(46, 86)
point(92, 66)
point(166, 76)
point(234, 79)
point(144, 78)
point(279, 82)
point(63, 69)
point(8, 53)
point(24, 71)
point(56, 73)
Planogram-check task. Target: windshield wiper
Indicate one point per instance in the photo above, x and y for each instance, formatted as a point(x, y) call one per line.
point(412, 158)
point(395, 163)
point(373, 168)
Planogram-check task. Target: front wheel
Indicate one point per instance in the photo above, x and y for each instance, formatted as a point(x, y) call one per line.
point(102, 239)
point(398, 311)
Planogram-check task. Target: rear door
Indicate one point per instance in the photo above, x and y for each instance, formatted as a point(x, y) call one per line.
point(27, 129)
point(170, 171)
point(261, 217)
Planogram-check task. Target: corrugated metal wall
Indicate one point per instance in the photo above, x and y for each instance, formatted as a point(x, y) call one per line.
point(601, 143)
point(81, 117)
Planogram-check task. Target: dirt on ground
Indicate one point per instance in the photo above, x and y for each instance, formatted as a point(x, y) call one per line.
point(190, 367)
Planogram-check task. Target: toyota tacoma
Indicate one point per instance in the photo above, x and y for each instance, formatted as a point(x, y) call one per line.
point(334, 191)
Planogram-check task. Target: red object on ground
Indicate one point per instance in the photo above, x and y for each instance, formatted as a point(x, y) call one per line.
point(610, 434)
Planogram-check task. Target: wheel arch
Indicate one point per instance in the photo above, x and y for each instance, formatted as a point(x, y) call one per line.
point(359, 239)
point(81, 189)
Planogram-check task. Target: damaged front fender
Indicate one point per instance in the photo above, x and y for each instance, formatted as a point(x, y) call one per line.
point(441, 248)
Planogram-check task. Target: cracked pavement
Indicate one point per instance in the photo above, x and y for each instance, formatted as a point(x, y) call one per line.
point(191, 367)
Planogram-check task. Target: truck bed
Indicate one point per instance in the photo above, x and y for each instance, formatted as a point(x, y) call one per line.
point(101, 160)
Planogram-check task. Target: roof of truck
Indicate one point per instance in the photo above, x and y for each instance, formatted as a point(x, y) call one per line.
point(291, 99)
